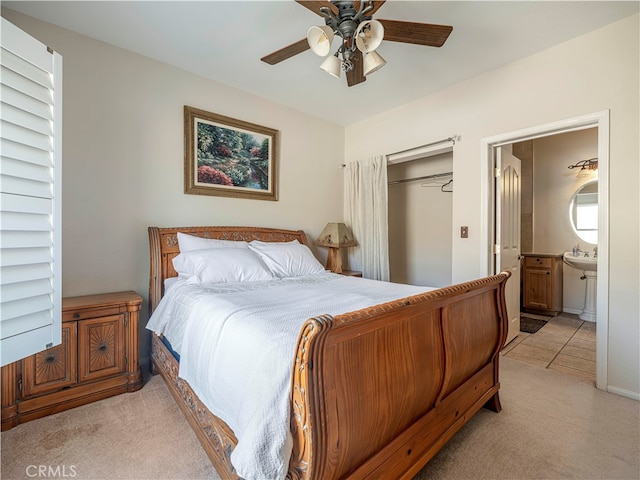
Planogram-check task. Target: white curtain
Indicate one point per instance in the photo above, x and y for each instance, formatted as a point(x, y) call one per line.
point(366, 210)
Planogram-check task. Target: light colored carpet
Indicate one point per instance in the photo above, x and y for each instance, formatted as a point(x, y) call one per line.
point(139, 435)
point(552, 426)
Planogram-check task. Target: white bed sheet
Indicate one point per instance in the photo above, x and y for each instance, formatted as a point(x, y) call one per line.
point(237, 342)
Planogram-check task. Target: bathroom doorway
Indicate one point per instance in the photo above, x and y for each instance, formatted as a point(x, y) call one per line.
point(557, 314)
point(600, 122)
point(549, 190)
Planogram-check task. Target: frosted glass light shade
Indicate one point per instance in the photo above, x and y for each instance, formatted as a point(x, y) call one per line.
point(369, 36)
point(332, 66)
point(319, 40)
point(372, 61)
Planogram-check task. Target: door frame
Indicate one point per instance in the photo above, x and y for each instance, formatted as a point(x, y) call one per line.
point(487, 218)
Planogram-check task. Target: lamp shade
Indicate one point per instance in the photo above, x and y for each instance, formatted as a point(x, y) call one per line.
point(372, 62)
point(336, 235)
point(332, 66)
point(369, 36)
point(319, 39)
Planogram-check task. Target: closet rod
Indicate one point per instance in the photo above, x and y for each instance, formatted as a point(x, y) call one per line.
point(415, 179)
point(444, 140)
point(451, 139)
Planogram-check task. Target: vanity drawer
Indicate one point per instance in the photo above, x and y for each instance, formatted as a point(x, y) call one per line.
point(541, 262)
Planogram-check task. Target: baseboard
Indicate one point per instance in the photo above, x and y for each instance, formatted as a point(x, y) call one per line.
point(572, 310)
point(624, 393)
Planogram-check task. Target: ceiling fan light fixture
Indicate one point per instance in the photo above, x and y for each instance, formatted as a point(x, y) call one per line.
point(360, 36)
point(332, 65)
point(369, 35)
point(319, 39)
point(372, 62)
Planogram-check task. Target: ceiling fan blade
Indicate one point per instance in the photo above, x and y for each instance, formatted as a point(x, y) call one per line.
point(376, 5)
point(416, 33)
point(356, 74)
point(286, 52)
point(315, 5)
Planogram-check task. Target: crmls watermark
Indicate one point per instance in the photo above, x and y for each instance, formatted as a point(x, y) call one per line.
point(51, 471)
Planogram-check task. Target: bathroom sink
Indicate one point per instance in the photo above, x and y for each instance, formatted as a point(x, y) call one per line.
point(581, 262)
point(589, 265)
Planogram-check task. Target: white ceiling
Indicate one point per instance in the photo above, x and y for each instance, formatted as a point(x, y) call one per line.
point(224, 41)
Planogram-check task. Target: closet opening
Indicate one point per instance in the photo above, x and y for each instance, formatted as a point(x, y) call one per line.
point(420, 218)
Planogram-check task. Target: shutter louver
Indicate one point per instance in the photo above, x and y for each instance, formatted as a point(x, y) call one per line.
point(30, 286)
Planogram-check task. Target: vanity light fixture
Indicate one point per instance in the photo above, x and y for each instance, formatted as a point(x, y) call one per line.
point(586, 167)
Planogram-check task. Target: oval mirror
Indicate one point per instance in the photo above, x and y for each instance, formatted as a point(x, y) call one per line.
point(584, 212)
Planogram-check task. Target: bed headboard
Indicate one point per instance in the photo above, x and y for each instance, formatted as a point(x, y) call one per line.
point(163, 247)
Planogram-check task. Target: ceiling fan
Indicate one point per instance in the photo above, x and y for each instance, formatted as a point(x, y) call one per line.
point(359, 34)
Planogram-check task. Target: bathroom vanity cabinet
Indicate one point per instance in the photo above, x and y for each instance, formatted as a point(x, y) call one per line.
point(542, 283)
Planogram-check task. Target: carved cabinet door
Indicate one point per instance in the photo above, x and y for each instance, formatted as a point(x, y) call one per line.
point(53, 368)
point(538, 293)
point(101, 347)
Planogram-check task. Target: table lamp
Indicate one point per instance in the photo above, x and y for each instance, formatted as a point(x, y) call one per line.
point(335, 236)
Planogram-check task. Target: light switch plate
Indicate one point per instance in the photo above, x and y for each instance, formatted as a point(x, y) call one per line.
point(464, 232)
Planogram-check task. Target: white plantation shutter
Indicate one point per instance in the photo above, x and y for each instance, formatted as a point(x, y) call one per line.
point(30, 194)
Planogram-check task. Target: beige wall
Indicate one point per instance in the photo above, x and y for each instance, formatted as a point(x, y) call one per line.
point(554, 185)
point(591, 73)
point(123, 161)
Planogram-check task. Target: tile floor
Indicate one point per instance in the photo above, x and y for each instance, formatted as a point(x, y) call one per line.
point(565, 343)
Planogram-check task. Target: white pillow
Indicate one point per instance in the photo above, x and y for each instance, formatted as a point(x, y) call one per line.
point(222, 265)
point(188, 243)
point(287, 259)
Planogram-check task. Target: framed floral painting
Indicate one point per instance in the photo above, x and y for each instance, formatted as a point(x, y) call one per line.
point(228, 157)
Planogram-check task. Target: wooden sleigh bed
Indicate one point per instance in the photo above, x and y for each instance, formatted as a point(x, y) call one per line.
point(376, 392)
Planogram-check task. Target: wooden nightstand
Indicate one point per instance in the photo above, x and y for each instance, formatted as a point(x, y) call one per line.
point(98, 358)
point(351, 273)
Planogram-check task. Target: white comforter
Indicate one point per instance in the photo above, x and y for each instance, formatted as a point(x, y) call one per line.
point(237, 344)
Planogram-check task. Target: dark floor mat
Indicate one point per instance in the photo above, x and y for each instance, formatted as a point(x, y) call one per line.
point(531, 325)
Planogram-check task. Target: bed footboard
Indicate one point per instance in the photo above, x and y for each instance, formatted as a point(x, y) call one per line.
point(377, 392)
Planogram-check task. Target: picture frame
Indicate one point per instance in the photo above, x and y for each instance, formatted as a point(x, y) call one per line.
point(228, 157)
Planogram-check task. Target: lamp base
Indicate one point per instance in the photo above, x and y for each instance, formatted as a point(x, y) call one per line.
point(334, 260)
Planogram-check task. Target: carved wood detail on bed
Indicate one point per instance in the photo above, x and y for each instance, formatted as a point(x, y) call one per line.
point(213, 433)
point(375, 393)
